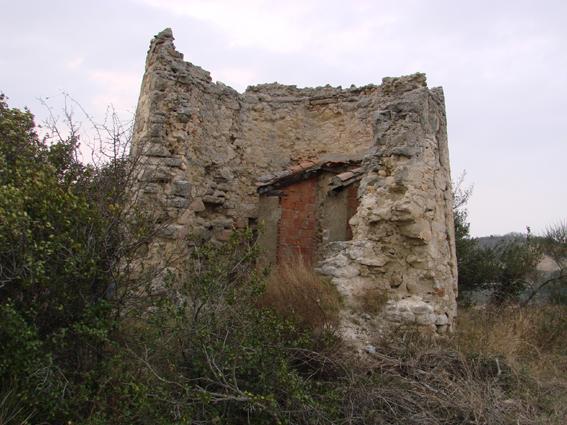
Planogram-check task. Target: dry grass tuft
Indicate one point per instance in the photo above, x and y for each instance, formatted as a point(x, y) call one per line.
point(533, 336)
point(502, 366)
point(532, 341)
point(297, 292)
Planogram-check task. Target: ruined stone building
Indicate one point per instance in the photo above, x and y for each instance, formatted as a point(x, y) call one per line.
point(354, 181)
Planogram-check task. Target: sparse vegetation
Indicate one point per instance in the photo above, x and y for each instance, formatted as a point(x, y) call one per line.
point(502, 366)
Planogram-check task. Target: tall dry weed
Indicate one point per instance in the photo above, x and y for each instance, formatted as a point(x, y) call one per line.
point(534, 336)
point(297, 292)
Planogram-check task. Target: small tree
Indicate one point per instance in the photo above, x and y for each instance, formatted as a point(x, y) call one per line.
point(514, 267)
point(508, 269)
point(475, 265)
point(553, 244)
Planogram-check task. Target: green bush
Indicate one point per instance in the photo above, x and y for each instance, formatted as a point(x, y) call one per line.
point(213, 356)
point(54, 271)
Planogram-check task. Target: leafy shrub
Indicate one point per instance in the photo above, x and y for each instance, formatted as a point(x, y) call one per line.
point(56, 266)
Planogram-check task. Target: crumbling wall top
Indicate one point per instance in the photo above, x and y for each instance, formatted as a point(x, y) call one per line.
point(162, 51)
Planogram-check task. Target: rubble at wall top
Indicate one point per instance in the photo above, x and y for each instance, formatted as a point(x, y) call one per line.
point(162, 50)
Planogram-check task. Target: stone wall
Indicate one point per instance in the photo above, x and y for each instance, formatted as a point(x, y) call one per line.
point(403, 236)
point(203, 147)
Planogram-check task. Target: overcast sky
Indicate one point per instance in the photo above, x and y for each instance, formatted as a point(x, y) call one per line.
point(502, 64)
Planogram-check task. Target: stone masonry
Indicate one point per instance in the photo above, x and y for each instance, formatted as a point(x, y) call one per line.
point(203, 149)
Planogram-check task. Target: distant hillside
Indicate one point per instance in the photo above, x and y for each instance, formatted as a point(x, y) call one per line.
point(546, 264)
point(546, 267)
point(493, 240)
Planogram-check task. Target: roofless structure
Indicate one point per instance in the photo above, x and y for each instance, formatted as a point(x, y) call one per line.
point(354, 181)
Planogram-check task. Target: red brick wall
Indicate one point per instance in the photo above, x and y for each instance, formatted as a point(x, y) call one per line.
point(297, 229)
point(352, 206)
